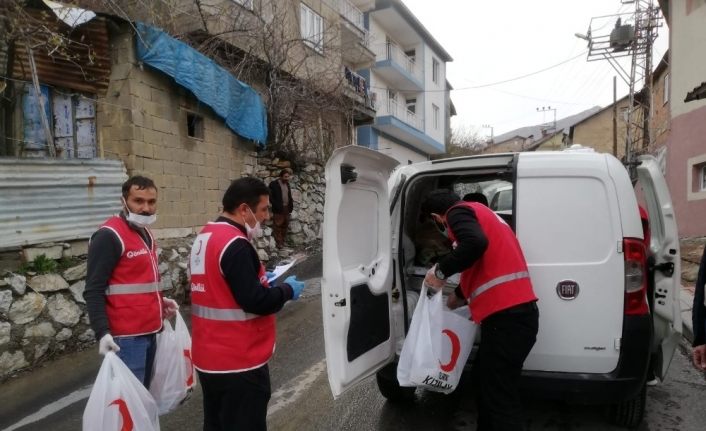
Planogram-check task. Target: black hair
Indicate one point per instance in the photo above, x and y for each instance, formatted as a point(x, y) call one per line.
point(476, 197)
point(246, 190)
point(285, 171)
point(138, 181)
point(439, 201)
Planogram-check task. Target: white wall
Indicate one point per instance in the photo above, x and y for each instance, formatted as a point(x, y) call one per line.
point(434, 94)
point(687, 55)
point(396, 151)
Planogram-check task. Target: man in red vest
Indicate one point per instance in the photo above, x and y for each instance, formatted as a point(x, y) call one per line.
point(233, 306)
point(124, 302)
point(495, 282)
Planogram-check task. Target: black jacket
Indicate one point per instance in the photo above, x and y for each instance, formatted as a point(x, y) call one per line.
point(276, 198)
point(698, 313)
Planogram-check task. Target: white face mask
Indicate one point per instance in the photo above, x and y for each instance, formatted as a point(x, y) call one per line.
point(253, 232)
point(139, 220)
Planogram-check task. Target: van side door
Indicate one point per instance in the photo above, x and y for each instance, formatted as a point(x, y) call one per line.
point(357, 281)
point(664, 247)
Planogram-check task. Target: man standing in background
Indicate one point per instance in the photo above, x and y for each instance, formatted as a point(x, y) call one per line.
point(282, 205)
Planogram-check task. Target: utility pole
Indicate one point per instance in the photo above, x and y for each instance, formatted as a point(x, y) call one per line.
point(632, 36)
point(544, 124)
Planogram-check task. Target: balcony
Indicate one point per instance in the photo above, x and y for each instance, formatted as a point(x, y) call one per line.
point(355, 38)
point(394, 119)
point(356, 89)
point(397, 68)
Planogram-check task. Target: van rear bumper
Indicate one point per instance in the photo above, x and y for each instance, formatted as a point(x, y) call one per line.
point(623, 383)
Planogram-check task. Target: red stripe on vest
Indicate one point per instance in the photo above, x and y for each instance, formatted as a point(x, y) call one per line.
point(503, 257)
point(224, 345)
point(133, 313)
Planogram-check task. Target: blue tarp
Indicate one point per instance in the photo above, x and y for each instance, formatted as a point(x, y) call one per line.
point(237, 103)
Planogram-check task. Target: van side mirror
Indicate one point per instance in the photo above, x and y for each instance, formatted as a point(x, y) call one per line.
point(348, 173)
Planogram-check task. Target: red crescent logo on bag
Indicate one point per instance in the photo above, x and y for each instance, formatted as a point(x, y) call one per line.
point(190, 379)
point(124, 413)
point(455, 350)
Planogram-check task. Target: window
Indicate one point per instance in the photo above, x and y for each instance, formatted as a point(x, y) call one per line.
point(312, 28)
point(666, 89)
point(194, 126)
point(248, 4)
point(702, 178)
point(434, 70)
point(71, 119)
point(435, 113)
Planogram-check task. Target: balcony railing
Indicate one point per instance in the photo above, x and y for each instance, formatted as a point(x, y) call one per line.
point(358, 85)
point(392, 52)
point(387, 106)
point(351, 13)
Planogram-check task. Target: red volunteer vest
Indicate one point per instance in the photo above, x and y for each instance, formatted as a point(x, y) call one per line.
point(133, 301)
point(224, 337)
point(499, 279)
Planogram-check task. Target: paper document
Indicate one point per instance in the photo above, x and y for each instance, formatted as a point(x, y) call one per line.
point(281, 269)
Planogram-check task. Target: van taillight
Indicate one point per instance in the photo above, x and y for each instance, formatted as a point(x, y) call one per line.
point(635, 276)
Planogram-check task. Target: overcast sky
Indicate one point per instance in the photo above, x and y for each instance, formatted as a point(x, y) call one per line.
point(492, 41)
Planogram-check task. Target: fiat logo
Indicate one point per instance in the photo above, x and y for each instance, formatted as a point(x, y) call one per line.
point(567, 289)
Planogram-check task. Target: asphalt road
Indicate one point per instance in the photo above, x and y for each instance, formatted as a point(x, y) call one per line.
point(53, 397)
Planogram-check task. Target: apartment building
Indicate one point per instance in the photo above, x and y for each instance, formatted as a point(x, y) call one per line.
point(407, 83)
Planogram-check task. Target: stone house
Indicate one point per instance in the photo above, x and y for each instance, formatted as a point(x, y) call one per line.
point(596, 131)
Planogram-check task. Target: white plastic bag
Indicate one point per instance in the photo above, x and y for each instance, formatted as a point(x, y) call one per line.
point(119, 401)
point(436, 347)
point(173, 371)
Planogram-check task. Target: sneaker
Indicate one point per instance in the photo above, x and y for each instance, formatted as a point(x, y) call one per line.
point(653, 382)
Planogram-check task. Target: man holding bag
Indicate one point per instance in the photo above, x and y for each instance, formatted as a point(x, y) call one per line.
point(496, 283)
point(233, 322)
point(125, 306)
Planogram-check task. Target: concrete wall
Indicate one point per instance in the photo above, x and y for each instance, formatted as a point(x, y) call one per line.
point(686, 148)
point(435, 94)
point(399, 152)
point(660, 121)
point(142, 120)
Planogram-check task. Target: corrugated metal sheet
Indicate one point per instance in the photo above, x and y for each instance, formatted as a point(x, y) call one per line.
point(44, 200)
point(83, 71)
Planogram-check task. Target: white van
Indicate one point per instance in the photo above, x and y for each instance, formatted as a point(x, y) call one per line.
point(576, 215)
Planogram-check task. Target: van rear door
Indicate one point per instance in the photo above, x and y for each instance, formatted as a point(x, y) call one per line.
point(664, 246)
point(567, 220)
point(357, 266)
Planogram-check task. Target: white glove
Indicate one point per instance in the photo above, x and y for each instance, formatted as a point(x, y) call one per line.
point(106, 344)
point(169, 307)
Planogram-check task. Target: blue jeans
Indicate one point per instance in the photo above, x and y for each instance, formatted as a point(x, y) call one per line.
point(138, 354)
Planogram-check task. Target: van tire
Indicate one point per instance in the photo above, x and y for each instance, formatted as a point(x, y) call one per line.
point(629, 414)
point(391, 389)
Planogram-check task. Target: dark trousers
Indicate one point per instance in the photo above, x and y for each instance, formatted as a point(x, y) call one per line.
point(280, 223)
point(236, 401)
point(506, 339)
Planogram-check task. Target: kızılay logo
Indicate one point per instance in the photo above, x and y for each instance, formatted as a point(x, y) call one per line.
point(130, 254)
point(455, 351)
point(124, 413)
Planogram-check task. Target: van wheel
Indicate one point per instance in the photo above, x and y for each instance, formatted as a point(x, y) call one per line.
point(629, 414)
point(391, 389)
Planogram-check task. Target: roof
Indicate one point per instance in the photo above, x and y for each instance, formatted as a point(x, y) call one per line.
point(601, 110)
point(544, 139)
point(416, 24)
point(699, 92)
point(536, 130)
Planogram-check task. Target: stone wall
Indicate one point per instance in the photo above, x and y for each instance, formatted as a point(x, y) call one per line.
point(44, 315)
point(308, 188)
